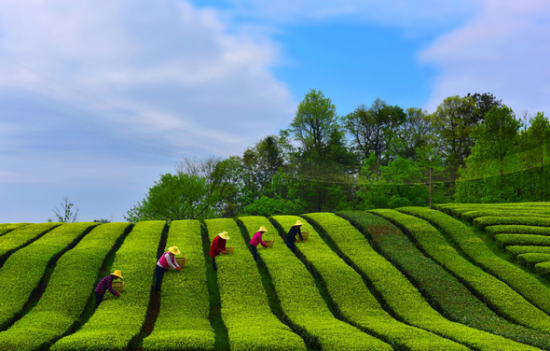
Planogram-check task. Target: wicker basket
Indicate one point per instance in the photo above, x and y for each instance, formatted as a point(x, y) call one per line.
point(229, 250)
point(182, 261)
point(304, 235)
point(118, 285)
point(269, 243)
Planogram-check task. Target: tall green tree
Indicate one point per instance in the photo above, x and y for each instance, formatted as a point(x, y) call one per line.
point(175, 197)
point(494, 154)
point(453, 124)
point(374, 129)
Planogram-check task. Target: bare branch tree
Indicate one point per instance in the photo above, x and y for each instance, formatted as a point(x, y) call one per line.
point(199, 168)
point(65, 215)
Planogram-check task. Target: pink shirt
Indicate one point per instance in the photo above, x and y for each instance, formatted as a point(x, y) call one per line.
point(167, 260)
point(257, 239)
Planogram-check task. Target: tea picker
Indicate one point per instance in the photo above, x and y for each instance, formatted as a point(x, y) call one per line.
point(291, 236)
point(217, 247)
point(257, 239)
point(106, 284)
point(167, 260)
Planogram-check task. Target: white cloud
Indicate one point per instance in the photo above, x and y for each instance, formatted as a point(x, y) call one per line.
point(164, 71)
point(504, 50)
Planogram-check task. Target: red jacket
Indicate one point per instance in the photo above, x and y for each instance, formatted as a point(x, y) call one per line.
point(218, 245)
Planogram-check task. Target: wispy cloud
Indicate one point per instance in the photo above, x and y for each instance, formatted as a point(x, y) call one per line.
point(504, 50)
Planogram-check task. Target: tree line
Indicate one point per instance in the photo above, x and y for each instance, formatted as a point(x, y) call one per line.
point(377, 156)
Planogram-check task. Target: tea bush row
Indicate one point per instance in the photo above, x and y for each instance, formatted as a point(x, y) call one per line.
point(445, 292)
point(471, 215)
point(244, 303)
point(483, 222)
point(530, 259)
point(118, 320)
point(67, 293)
point(476, 250)
point(19, 237)
point(23, 271)
point(515, 250)
point(300, 300)
point(8, 227)
point(183, 323)
point(517, 229)
point(494, 292)
point(371, 315)
point(522, 239)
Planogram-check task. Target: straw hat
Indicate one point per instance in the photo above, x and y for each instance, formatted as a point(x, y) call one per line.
point(262, 229)
point(118, 274)
point(298, 223)
point(174, 250)
point(224, 235)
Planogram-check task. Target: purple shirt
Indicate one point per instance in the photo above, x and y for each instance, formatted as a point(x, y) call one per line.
point(106, 284)
point(257, 239)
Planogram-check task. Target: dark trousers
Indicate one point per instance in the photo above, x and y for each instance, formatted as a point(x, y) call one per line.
point(98, 299)
point(214, 264)
point(291, 245)
point(254, 250)
point(160, 274)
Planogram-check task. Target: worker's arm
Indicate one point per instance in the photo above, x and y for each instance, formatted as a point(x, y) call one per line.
point(300, 234)
point(169, 259)
point(110, 288)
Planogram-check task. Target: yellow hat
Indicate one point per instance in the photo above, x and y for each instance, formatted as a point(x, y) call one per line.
point(118, 274)
point(224, 235)
point(262, 229)
point(174, 250)
point(298, 223)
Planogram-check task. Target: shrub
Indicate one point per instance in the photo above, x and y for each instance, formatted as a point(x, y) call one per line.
point(515, 250)
point(67, 292)
point(522, 239)
point(245, 309)
point(341, 278)
point(19, 237)
point(526, 285)
point(470, 215)
point(494, 292)
point(445, 292)
point(543, 269)
point(8, 227)
point(118, 321)
point(483, 222)
point(519, 229)
point(183, 323)
point(22, 272)
point(530, 259)
point(300, 300)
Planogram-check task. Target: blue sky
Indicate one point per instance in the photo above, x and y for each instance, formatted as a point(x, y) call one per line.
point(96, 101)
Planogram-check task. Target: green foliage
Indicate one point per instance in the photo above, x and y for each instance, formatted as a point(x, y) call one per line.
point(522, 239)
point(444, 291)
point(515, 250)
point(118, 320)
point(245, 310)
point(7, 227)
point(21, 236)
point(521, 229)
point(265, 206)
point(301, 302)
point(176, 197)
point(499, 296)
point(530, 259)
point(183, 323)
point(67, 292)
point(341, 279)
point(543, 269)
point(470, 215)
point(22, 272)
point(483, 222)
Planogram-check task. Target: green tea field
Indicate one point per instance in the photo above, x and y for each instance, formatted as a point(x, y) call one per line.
point(455, 277)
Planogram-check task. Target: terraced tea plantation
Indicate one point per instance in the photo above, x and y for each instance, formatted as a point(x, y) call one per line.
point(456, 277)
